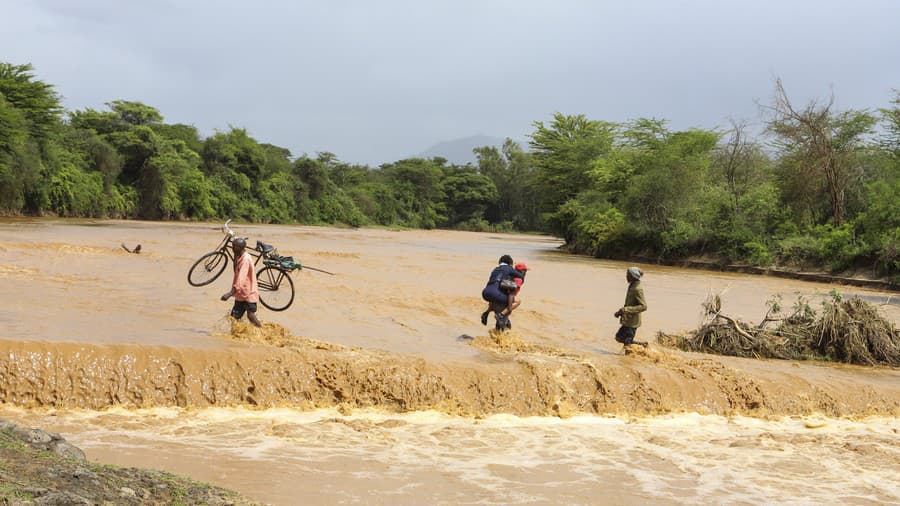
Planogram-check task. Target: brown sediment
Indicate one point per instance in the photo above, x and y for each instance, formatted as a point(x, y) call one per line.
point(335, 254)
point(9, 271)
point(270, 334)
point(64, 248)
point(275, 368)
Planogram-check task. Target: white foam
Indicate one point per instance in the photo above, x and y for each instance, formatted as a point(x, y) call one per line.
point(504, 458)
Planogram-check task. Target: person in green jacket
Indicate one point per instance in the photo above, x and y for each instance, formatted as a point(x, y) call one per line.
point(630, 314)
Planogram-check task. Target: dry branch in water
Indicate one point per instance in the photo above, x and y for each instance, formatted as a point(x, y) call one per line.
point(851, 331)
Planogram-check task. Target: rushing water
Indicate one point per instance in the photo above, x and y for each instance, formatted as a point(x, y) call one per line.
point(414, 293)
point(288, 457)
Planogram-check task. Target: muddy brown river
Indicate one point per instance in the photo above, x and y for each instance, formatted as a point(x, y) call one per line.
point(365, 391)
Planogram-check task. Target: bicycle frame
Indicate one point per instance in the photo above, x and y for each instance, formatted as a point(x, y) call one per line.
point(274, 278)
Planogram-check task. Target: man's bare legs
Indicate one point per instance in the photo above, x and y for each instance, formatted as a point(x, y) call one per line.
point(251, 315)
point(511, 304)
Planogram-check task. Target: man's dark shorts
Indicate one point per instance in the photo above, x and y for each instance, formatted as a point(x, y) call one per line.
point(240, 306)
point(625, 335)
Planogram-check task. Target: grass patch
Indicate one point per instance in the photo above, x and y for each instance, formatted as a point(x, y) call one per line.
point(10, 441)
point(9, 491)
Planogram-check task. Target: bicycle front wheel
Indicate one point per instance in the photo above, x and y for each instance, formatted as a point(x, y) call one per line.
point(276, 289)
point(207, 269)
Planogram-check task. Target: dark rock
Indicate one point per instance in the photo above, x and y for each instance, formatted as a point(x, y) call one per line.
point(32, 436)
point(48, 460)
point(64, 449)
point(83, 473)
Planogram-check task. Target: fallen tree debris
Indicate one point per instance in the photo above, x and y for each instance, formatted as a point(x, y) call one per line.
point(851, 331)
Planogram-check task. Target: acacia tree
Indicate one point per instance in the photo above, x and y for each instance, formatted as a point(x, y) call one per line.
point(822, 143)
point(736, 160)
point(891, 121)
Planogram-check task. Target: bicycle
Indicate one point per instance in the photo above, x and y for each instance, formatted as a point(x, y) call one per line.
point(276, 289)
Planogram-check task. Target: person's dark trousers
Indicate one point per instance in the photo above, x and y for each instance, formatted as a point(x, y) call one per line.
point(625, 335)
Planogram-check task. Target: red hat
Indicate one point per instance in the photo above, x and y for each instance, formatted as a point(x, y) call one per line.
point(521, 266)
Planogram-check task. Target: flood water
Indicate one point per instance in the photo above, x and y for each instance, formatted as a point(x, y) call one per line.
point(413, 294)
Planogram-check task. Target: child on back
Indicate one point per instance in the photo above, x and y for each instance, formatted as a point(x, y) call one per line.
point(512, 299)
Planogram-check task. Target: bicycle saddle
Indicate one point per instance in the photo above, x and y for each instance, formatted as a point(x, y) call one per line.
point(264, 248)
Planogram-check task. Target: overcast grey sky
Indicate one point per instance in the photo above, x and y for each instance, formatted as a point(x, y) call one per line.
point(375, 81)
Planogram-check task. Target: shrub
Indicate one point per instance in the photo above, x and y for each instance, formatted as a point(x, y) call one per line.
point(73, 192)
point(888, 254)
point(839, 246)
point(756, 253)
point(681, 238)
point(474, 225)
point(799, 250)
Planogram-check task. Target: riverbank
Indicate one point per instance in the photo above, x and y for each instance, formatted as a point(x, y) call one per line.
point(720, 265)
point(817, 277)
point(42, 468)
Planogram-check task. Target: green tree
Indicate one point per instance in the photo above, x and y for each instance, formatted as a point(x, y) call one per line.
point(563, 153)
point(891, 120)
point(467, 195)
point(822, 145)
point(663, 197)
point(35, 100)
point(419, 188)
point(135, 113)
point(516, 179)
point(740, 163)
point(14, 139)
point(187, 134)
point(74, 192)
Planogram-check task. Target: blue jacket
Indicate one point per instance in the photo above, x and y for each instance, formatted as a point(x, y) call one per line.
point(504, 271)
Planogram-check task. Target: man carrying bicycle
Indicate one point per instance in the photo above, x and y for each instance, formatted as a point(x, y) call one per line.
point(244, 286)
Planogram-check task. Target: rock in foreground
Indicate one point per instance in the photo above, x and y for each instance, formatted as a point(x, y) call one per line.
point(41, 468)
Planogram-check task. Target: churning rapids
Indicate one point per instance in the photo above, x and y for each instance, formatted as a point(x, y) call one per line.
point(380, 385)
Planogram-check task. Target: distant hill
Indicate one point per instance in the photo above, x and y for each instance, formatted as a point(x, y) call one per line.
point(459, 151)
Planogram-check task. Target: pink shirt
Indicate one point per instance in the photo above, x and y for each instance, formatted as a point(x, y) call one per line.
point(244, 284)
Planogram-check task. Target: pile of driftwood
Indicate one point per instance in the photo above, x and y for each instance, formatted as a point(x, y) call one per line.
point(850, 330)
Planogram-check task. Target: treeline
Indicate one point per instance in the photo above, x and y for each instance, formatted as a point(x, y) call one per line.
point(127, 162)
point(819, 188)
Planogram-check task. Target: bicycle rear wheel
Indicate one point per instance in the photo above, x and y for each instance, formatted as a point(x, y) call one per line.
point(276, 289)
point(207, 269)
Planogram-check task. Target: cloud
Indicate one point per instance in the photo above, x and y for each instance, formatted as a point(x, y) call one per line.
point(376, 81)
